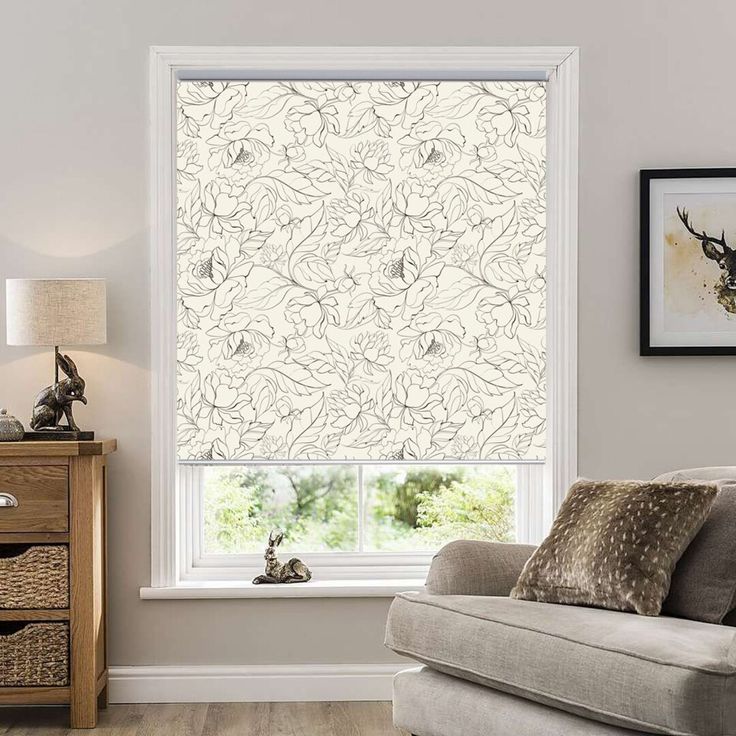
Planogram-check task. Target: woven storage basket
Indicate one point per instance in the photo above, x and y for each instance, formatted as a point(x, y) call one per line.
point(36, 655)
point(36, 578)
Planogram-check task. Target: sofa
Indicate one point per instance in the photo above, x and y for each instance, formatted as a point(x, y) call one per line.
point(496, 666)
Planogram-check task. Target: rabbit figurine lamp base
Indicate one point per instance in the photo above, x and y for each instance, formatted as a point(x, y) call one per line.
point(56, 402)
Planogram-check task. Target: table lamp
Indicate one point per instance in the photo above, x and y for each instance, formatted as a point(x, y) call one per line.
point(57, 312)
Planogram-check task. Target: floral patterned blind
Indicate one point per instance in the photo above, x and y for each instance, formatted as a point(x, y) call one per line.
point(361, 270)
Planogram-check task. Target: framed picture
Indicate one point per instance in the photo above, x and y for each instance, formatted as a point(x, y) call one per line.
point(688, 262)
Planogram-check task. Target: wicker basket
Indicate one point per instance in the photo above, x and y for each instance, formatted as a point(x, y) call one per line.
point(34, 655)
point(38, 577)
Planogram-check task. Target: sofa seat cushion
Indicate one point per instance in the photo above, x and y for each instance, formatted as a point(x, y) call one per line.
point(658, 675)
point(431, 703)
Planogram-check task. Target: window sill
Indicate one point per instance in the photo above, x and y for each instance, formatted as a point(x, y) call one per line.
point(312, 589)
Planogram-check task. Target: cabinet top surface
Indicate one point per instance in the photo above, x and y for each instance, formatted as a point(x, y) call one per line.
point(57, 448)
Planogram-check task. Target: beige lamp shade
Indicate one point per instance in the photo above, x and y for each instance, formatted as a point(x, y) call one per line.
point(56, 311)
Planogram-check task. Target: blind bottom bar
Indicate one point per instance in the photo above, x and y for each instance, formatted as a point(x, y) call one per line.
point(361, 462)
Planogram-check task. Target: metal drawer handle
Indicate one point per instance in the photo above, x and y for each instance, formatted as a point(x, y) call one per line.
point(8, 499)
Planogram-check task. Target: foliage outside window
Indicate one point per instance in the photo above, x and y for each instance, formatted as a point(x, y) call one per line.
point(322, 508)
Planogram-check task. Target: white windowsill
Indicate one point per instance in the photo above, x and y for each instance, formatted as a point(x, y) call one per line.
point(312, 589)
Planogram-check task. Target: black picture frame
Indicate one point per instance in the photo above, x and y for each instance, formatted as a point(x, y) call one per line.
point(645, 178)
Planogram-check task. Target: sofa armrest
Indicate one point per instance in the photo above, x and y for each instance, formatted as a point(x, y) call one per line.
point(477, 568)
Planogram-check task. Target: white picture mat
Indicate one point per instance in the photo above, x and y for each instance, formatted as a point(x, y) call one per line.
point(695, 336)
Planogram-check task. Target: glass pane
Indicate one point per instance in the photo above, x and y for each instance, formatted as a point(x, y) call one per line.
point(423, 507)
point(317, 508)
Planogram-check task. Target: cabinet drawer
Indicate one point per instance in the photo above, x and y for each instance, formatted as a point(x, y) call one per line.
point(38, 496)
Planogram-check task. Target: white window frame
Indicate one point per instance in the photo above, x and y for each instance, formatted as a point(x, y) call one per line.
point(172, 550)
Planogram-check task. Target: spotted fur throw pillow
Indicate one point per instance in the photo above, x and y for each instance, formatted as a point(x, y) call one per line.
point(614, 544)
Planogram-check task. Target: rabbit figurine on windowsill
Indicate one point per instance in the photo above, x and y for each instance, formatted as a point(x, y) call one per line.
point(293, 571)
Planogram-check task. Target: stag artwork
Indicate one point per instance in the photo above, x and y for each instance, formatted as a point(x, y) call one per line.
point(717, 250)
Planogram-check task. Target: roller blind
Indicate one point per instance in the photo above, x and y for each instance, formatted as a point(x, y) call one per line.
point(361, 270)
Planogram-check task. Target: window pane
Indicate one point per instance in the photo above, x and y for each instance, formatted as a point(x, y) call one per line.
point(317, 507)
point(423, 507)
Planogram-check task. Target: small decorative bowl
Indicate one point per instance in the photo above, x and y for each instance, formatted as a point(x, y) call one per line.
point(11, 430)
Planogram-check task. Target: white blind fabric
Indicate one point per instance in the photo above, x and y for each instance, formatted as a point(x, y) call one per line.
point(361, 270)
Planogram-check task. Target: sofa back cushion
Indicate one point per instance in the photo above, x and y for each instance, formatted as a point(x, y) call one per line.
point(703, 586)
point(614, 544)
point(716, 473)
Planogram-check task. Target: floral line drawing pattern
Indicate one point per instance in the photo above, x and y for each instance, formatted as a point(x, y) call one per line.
point(361, 270)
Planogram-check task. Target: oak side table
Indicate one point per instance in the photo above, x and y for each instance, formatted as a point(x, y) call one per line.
point(53, 575)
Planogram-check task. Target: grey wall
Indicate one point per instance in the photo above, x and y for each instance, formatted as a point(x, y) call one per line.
point(656, 91)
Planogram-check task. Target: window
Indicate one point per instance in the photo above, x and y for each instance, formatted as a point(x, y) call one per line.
point(354, 521)
point(361, 283)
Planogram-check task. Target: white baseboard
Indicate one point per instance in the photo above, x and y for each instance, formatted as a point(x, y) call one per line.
point(252, 684)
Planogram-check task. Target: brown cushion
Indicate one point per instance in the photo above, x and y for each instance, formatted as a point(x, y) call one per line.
point(614, 544)
point(704, 582)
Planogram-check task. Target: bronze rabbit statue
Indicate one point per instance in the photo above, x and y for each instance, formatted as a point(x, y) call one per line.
point(55, 401)
point(293, 571)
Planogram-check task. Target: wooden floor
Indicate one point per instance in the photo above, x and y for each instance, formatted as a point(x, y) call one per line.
point(215, 719)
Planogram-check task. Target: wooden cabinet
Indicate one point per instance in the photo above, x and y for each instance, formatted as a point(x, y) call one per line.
point(53, 493)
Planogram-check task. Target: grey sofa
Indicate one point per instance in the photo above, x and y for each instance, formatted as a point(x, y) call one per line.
point(495, 666)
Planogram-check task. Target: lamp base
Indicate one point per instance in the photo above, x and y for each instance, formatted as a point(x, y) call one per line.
point(67, 435)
